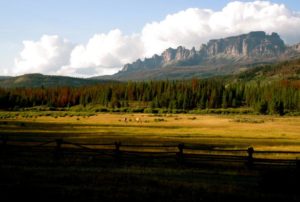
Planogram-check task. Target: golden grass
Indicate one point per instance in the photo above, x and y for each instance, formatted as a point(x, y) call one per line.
point(261, 132)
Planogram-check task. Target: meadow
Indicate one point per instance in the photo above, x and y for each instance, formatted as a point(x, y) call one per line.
point(230, 131)
point(160, 180)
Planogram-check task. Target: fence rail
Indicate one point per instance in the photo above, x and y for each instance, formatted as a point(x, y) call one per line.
point(181, 152)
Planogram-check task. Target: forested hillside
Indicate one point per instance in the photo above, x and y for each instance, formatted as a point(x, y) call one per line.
point(274, 97)
point(269, 89)
point(285, 70)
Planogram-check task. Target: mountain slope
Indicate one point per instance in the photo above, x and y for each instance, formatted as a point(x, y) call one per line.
point(4, 77)
point(39, 80)
point(217, 57)
point(287, 70)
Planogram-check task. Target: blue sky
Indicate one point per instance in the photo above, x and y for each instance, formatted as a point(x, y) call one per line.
point(79, 20)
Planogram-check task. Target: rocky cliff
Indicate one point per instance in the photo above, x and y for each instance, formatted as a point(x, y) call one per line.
point(254, 44)
point(217, 57)
point(257, 46)
point(168, 57)
point(296, 47)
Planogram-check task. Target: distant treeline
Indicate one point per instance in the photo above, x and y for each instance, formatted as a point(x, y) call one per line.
point(275, 97)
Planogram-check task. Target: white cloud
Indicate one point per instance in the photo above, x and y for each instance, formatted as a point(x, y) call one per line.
point(4, 71)
point(194, 26)
point(107, 53)
point(46, 55)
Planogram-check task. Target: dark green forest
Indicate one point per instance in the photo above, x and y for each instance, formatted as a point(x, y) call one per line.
point(276, 97)
point(267, 89)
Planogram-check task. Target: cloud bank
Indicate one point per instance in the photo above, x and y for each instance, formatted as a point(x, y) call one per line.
point(106, 53)
point(47, 55)
point(195, 26)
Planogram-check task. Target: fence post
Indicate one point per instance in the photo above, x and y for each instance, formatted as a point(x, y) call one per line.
point(179, 154)
point(117, 152)
point(250, 160)
point(58, 149)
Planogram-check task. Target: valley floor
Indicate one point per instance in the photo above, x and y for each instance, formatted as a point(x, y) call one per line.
point(38, 175)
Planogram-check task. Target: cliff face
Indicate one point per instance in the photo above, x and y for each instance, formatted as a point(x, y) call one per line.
point(148, 63)
point(179, 54)
point(255, 46)
point(168, 57)
point(296, 47)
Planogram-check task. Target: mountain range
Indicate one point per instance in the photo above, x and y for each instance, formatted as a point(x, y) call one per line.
point(221, 57)
point(217, 57)
point(287, 70)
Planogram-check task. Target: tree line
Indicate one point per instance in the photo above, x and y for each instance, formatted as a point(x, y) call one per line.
point(275, 97)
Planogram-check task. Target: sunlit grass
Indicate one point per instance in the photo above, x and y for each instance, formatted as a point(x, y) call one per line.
point(240, 131)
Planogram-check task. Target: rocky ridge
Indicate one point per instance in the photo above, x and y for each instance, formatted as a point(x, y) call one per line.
point(218, 57)
point(255, 46)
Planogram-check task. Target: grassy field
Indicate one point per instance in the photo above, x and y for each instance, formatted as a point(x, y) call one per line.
point(108, 181)
point(238, 131)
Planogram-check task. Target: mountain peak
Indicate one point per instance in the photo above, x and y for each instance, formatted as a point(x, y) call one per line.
point(257, 34)
point(255, 44)
point(226, 53)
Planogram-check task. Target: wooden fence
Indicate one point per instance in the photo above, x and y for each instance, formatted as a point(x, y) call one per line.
point(180, 152)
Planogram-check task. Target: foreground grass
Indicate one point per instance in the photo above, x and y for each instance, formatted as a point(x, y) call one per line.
point(135, 183)
point(29, 174)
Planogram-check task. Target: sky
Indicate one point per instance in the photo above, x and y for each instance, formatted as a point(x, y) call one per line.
point(85, 38)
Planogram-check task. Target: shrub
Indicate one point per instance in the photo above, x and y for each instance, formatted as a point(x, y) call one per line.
point(262, 107)
point(163, 111)
point(248, 120)
point(151, 111)
point(137, 110)
point(102, 110)
point(159, 120)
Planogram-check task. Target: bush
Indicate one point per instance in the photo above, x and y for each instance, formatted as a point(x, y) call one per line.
point(102, 110)
point(248, 120)
point(223, 111)
point(151, 111)
point(163, 111)
point(262, 107)
point(278, 108)
point(52, 109)
point(115, 110)
point(124, 110)
point(159, 120)
point(137, 110)
point(178, 111)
